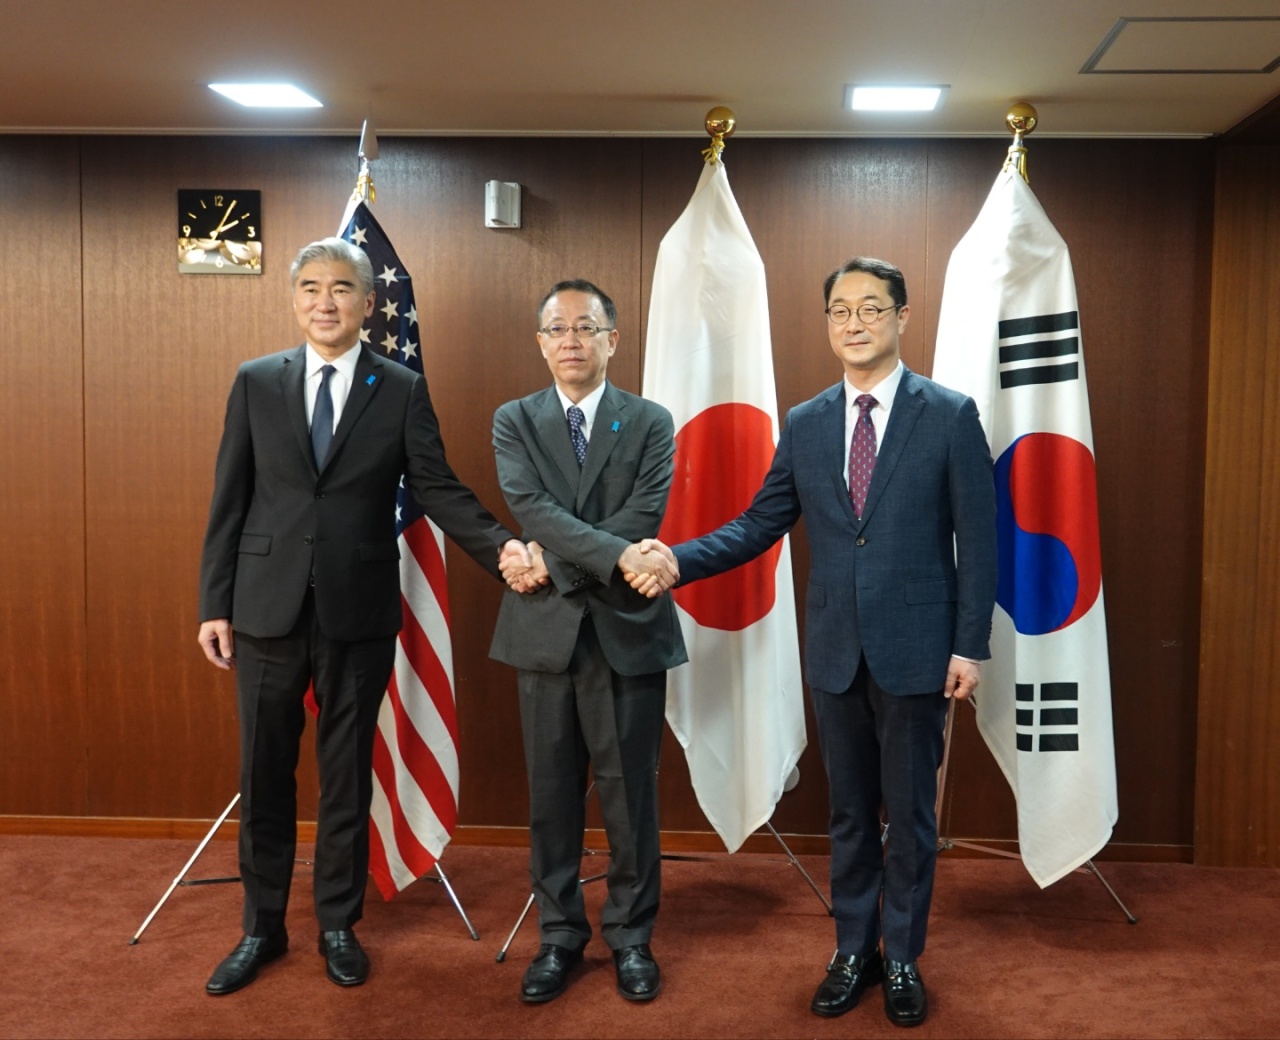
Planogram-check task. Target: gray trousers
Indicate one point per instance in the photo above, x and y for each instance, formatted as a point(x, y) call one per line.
point(591, 716)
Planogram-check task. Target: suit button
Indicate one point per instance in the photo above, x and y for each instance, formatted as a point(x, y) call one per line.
point(319, 494)
point(860, 541)
point(308, 540)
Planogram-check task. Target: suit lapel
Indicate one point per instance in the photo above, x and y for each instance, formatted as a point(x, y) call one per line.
point(552, 429)
point(366, 383)
point(907, 406)
point(293, 373)
point(608, 424)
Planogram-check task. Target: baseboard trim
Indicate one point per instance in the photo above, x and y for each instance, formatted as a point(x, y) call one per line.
point(687, 842)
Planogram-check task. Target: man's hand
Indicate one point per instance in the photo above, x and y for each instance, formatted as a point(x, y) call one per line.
point(649, 567)
point(522, 566)
point(962, 678)
point(216, 641)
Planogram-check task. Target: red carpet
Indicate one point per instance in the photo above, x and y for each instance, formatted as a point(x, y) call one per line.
point(742, 942)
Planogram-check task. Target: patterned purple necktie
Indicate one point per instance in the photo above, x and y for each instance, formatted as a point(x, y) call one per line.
point(862, 453)
point(579, 439)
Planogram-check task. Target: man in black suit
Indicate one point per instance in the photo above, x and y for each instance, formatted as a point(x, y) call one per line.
point(299, 585)
point(586, 468)
point(892, 475)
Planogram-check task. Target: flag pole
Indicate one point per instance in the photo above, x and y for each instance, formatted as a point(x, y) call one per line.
point(1021, 119)
point(720, 123)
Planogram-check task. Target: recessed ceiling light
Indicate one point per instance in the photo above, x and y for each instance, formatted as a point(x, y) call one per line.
point(892, 99)
point(266, 95)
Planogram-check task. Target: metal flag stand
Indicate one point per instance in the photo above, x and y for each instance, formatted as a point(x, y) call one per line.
point(1089, 867)
point(439, 878)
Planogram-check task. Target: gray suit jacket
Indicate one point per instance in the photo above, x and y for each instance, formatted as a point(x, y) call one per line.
point(585, 517)
point(910, 583)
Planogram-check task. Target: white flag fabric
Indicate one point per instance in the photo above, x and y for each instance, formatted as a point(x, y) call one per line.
point(737, 707)
point(1009, 337)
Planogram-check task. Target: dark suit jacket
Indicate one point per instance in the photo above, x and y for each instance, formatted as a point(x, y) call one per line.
point(889, 586)
point(274, 521)
point(585, 517)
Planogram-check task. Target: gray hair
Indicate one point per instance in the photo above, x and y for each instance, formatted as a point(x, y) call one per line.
point(335, 251)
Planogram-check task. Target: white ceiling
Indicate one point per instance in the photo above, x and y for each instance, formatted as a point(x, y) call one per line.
point(651, 67)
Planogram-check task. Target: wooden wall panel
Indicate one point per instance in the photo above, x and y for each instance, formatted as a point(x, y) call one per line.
point(1237, 805)
point(43, 711)
point(159, 350)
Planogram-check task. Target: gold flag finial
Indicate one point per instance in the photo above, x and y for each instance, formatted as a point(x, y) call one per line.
point(1021, 120)
point(367, 150)
point(720, 123)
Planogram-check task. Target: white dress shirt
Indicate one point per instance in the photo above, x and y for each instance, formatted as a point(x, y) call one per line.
point(339, 383)
point(589, 405)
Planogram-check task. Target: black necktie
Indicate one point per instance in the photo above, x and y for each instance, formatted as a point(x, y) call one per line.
point(576, 436)
point(322, 418)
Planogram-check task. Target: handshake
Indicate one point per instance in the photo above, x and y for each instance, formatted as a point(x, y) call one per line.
point(648, 566)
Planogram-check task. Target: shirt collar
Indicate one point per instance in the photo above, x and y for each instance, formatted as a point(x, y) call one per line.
point(588, 404)
point(345, 364)
point(884, 391)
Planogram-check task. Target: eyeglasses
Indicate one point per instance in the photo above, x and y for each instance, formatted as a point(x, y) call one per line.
point(584, 330)
point(868, 313)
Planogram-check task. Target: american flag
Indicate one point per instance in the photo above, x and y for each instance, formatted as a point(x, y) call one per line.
point(415, 751)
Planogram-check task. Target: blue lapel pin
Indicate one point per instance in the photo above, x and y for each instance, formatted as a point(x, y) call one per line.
point(371, 380)
point(616, 426)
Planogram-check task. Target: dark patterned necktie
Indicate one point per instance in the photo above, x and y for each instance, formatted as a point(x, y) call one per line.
point(576, 436)
point(862, 453)
point(322, 418)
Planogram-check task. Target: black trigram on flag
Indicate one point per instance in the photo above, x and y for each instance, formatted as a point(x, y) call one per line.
point(1057, 708)
point(1026, 342)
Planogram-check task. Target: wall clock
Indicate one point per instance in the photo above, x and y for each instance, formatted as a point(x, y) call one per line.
point(219, 231)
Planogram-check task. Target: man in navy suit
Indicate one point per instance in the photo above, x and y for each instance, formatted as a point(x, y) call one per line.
point(300, 584)
point(893, 476)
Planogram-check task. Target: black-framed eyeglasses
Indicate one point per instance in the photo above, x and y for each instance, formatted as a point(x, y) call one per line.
point(868, 313)
point(584, 331)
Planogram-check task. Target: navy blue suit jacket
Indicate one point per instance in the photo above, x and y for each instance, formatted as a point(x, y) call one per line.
point(910, 583)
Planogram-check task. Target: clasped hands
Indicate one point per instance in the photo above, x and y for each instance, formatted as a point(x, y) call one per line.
point(522, 566)
point(648, 566)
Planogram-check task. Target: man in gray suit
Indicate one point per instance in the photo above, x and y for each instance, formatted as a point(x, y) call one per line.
point(586, 468)
point(893, 476)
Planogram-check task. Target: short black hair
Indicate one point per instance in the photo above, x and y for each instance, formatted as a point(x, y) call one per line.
point(881, 269)
point(583, 286)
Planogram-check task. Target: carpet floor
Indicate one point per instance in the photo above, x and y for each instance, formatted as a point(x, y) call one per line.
point(742, 942)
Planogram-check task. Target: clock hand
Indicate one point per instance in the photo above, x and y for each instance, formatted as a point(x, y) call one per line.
point(225, 227)
point(222, 224)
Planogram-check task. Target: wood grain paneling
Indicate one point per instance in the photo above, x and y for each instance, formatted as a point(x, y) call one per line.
point(159, 349)
point(1237, 805)
point(43, 710)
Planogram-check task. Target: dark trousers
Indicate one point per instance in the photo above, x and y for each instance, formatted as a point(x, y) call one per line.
point(271, 680)
point(879, 749)
point(590, 715)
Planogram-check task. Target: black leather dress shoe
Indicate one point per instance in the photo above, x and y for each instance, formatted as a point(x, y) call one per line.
point(548, 973)
point(345, 961)
point(905, 1002)
point(848, 977)
point(638, 975)
point(241, 966)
